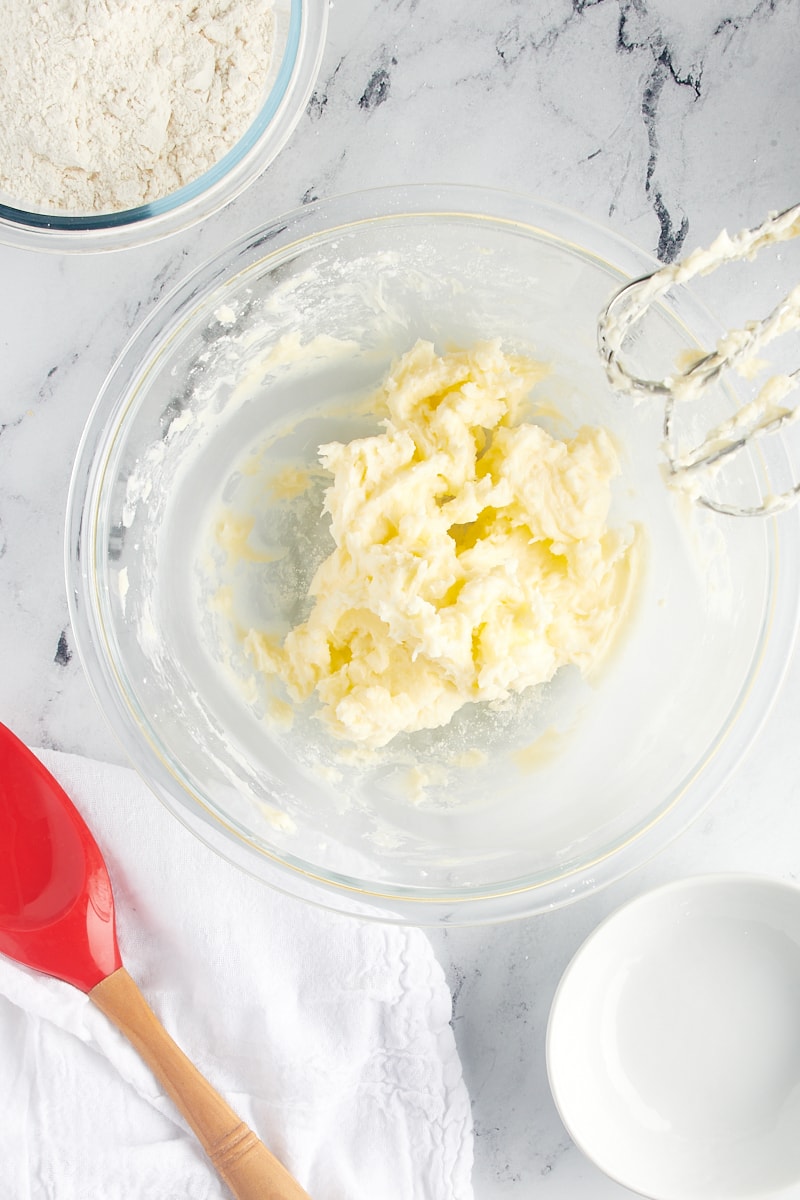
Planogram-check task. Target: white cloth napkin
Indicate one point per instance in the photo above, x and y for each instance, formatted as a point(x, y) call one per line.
point(328, 1035)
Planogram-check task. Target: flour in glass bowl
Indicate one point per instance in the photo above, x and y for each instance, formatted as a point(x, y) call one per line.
point(109, 104)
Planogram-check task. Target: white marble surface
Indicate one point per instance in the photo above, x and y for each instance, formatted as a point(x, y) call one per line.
point(665, 119)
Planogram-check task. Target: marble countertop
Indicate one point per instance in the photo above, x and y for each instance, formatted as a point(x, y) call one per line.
point(664, 119)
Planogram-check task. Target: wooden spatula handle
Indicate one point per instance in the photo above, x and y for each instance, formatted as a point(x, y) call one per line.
point(245, 1164)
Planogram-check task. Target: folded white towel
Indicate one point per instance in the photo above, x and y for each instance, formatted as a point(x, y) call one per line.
point(329, 1036)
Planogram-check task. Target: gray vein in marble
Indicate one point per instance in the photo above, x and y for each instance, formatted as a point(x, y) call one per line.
point(457, 981)
point(63, 654)
point(671, 240)
point(48, 388)
point(377, 90)
point(673, 228)
point(161, 283)
point(511, 43)
point(565, 1146)
point(63, 701)
point(12, 423)
point(522, 36)
point(320, 97)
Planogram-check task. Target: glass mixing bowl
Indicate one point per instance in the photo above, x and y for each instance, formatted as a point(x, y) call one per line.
point(241, 373)
point(299, 37)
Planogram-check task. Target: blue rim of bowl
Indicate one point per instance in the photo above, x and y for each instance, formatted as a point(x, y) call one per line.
point(398, 903)
point(300, 61)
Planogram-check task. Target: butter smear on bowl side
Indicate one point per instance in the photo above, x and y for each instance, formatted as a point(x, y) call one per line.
point(472, 555)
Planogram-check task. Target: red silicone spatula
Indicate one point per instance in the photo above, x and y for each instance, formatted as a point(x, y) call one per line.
point(57, 915)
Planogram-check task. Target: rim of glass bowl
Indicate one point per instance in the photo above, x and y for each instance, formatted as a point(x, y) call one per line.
point(84, 561)
point(293, 83)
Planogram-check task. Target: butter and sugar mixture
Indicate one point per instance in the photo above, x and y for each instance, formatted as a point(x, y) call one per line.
point(472, 557)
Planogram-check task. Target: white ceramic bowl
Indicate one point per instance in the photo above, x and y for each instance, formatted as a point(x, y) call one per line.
point(673, 1047)
point(299, 39)
point(580, 782)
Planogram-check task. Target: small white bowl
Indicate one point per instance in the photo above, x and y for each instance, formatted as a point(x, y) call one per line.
point(673, 1046)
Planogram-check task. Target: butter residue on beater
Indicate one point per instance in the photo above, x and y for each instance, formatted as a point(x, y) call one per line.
point(472, 556)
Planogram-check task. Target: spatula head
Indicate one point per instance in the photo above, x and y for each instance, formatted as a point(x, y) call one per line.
point(56, 904)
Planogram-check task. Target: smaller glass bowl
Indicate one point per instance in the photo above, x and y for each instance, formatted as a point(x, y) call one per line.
point(300, 28)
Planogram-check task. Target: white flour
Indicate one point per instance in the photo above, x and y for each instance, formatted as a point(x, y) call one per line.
point(108, 104)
